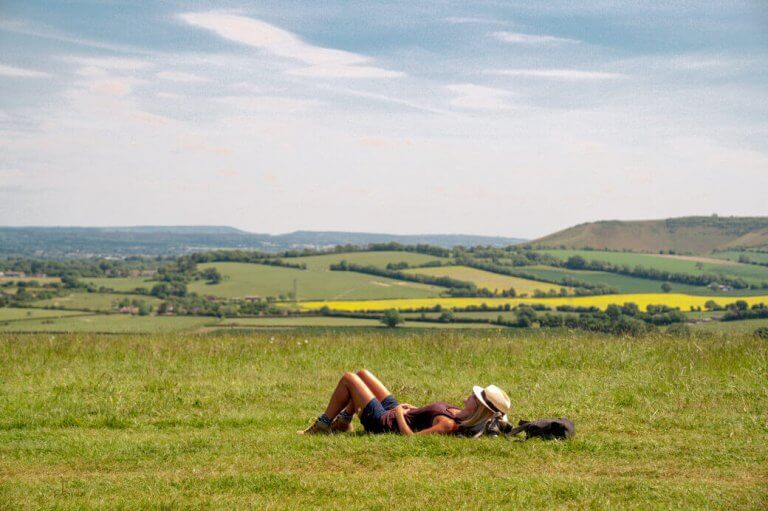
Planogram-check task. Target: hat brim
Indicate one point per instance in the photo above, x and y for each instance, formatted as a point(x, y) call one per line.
point(477, 390)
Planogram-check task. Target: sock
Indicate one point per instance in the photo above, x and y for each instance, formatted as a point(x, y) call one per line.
point(345, 417)
point(324, 421)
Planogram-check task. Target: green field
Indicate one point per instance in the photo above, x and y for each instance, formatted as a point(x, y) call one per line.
point(93, 301)
point(17, 314)
point(329, 322)
point(733, 255)
point(750, 273)
point(732, 327)
point(42, 320)
point(208, 422)
point(109, 323)
point(375, 258)
point(622, 283)
point(121, 284)
point(244, 279)
point(485, 279)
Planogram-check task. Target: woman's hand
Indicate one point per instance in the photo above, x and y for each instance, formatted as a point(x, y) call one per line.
point(402, 426)
point(407, 407)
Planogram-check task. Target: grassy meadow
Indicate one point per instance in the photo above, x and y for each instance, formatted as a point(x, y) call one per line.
point(244, 279)
point(93, 301)
point(120, 284)
point(486, 279)
point(374, 258)
point(208, 421)
point(622, 283)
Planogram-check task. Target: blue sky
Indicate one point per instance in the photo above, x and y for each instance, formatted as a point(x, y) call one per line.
point(507, 118)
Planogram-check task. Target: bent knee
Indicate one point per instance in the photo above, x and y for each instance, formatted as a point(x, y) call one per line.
point(349, 376)
point(362, 373)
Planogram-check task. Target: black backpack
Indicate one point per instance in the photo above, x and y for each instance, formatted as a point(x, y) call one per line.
point(544, 428)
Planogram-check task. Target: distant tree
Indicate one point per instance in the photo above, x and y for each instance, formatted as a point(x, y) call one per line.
point(576, 263)
point(613, 311)
point(391, 318)
point(744, 259)
point(762, 332)
point(212, 275)
point(446, 317)
point(630, 309)
point(711, 305)
point(526, 316)
point(666, 287)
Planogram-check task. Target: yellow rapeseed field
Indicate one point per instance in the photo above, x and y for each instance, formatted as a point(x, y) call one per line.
point(684, 302)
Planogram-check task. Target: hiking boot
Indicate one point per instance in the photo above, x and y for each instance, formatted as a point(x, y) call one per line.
point(341, 426)
point(316, 428)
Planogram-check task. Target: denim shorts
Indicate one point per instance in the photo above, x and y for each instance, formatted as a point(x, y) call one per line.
point(372, 414)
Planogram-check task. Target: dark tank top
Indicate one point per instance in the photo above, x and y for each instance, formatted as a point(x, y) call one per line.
point(422, 417)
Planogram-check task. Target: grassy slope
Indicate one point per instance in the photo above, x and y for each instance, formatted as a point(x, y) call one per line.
point(173, 421)
point(92, 301)
point(380, 259)
point(698, 235)
point(750, 273)
point(261, 280)
point(486, 279)
point(757, 239)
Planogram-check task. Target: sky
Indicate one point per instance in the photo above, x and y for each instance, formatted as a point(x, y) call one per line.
point(511, 118)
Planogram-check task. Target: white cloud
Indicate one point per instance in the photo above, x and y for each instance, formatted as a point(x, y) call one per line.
point(517, 38)
point(178, 76)
point(21, 72)
point(474, 20)
point(476, 97)
point(111, 63)
point(557, 74)
point(323, 62)
point(384, 98)
point(345, 72)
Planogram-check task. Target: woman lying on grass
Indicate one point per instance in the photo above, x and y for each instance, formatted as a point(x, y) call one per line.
point(379, 411)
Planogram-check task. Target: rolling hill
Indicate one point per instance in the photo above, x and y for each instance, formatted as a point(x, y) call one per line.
point(694, 235)
point(68, 242)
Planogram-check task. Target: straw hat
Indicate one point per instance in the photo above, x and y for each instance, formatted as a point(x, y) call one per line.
point(493, 398)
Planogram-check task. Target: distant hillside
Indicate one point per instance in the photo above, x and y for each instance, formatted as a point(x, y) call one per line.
point(65, 242)
point(696, 235)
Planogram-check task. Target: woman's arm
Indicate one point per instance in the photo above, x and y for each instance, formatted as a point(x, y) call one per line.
point(401, 424)
point(442, 425)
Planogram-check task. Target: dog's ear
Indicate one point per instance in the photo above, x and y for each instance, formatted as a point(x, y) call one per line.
point(522, 422)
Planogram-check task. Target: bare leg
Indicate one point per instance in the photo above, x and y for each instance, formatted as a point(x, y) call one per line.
point(379, 390)
point(351, 390)
point(373, 383)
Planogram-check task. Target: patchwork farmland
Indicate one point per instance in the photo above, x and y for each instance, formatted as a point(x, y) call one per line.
point(354, 287)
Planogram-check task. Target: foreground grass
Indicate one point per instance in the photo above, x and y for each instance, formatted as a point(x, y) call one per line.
point(189, 421)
